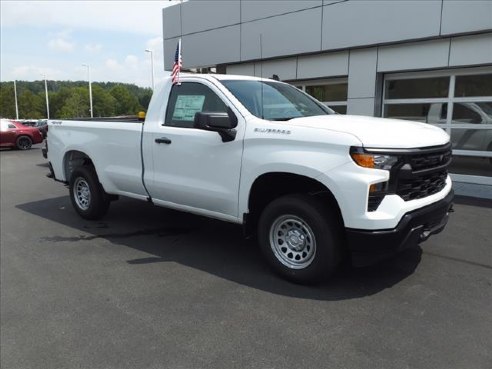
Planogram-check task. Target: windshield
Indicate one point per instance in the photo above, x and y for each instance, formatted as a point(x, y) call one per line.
point(275, 101)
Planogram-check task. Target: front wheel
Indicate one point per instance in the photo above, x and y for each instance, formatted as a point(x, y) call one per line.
point(87, 195)
point(300, 238)
point(24, 143)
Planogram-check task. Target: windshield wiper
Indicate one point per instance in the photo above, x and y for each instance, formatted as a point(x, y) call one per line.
point(284, 118)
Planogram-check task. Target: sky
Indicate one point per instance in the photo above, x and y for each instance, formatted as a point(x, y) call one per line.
point(54, 38)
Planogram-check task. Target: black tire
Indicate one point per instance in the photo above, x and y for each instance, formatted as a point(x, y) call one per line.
point(23, 143)
point(301, 240)
point(88, 197)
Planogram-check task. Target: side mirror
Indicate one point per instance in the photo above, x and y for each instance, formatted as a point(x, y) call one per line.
point(222, 123)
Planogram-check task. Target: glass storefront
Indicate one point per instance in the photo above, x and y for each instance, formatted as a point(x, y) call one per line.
point(460, 102)
point(332, 92)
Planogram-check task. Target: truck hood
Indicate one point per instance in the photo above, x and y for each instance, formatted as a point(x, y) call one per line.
point(378, 132)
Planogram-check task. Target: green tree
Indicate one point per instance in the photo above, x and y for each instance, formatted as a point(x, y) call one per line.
point(7, 100)
point(76, 105)
point(144, 99)
point(104, 104)
point(57, 101)
point(31, 105)
point(71, 99)
point(126, 103)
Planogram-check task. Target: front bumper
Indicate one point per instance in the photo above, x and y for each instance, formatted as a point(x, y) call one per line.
point(369, 246)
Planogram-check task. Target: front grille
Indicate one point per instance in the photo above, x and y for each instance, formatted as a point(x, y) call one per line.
point(421, 186)
point(422, 174)
point(417, 174)
point(427, 161)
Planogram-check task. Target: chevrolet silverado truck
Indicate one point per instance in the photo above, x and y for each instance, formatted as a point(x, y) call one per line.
point(312, 185)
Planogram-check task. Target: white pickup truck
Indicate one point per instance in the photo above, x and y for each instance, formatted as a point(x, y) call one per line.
point(314, 186)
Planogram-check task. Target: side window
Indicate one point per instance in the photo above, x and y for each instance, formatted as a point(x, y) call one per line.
point(189, 98)
point(12, 126)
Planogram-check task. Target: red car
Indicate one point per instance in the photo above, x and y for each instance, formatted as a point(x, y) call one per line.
point(16, 135)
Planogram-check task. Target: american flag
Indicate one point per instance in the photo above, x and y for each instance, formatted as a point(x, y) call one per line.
point(178, 63)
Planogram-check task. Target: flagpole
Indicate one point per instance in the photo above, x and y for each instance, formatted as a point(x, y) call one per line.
point(180, 61)
point(16, 104)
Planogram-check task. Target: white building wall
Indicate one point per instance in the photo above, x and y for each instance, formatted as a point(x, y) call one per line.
point(359, 41)
point(291, 28)
point(465, 16)
point(362, 81)
point(326, 65)
point(359, 23)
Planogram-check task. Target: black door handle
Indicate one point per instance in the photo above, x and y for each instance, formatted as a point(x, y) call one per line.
point(163, 140)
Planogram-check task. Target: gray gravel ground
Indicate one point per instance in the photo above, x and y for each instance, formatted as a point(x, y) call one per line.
point(153, 288)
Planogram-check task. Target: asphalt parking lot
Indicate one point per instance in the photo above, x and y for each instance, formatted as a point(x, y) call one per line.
point(153, 288)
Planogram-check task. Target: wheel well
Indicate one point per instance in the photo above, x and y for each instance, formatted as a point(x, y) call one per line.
point(23, 135)
point(74, 159)
point(271, 186)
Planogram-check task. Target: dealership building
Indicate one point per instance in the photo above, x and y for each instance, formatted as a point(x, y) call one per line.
point(428, 61)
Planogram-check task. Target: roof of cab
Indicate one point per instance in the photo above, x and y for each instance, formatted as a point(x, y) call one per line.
point(222, 77)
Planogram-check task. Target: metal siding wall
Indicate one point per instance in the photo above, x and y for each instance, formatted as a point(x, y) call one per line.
point(247, 69)
point(200, 16)
point(361, 106)
point(213, 47)
point(325, 65)
point(345, 24)
point(253, 10)
point(362, 81)
point(418, 55)
point(288, 34)
point(360, 23)
point(362, 73)
point(171, 21)
point(285, 69)
point(169, 51)
point(466, 16)
point(338, 24)
point(471, 50)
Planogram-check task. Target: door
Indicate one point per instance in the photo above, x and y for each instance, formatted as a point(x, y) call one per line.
point(193, 169)
point(8, 134)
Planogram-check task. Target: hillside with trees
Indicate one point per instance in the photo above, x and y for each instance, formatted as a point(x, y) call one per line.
point(71, 99)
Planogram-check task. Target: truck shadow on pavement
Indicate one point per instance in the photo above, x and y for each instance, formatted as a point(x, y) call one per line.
point(211, 246)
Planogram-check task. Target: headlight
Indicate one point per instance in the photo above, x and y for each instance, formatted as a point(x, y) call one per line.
point(374, 161)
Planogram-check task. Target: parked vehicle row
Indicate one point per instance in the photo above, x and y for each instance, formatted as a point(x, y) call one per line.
point(42, 125)
point(18, 136)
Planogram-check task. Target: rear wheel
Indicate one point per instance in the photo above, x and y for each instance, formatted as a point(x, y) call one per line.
point(23, 143)
point(300, 238)
point(87, 195)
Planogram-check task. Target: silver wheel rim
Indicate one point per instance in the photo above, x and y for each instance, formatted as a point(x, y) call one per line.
point(82, 193)
point(293, 242)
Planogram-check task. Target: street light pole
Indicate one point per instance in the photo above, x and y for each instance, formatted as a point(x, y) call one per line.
point(152, 65)
point(47, 101)
point(90, 87)
point(16, 104)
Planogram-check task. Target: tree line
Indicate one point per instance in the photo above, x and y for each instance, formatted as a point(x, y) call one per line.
point(71, 99)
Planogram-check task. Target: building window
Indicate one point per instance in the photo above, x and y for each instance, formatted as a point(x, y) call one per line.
point(460, 102)
point(331, 92)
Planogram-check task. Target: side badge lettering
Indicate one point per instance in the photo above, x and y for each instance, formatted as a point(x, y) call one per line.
point(273, 130)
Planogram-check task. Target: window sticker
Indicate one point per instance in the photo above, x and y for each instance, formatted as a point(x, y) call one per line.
point(186, 107)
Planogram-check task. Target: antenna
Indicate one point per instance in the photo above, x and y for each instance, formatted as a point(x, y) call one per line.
point(261, 74)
